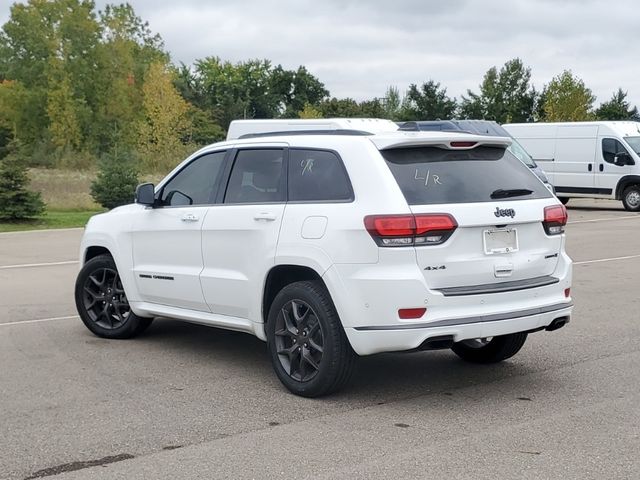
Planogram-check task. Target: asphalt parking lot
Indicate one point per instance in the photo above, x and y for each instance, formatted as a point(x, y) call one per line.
point(185, 401)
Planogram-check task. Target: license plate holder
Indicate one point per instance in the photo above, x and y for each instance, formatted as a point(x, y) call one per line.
point(500, 240)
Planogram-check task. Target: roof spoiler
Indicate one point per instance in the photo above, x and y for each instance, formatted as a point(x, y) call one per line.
point(460, 142)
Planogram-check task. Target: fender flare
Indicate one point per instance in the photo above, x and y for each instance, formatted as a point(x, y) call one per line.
point(624, 182)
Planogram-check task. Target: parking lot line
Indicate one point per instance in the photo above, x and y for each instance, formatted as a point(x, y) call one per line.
point(29, 265)
point(605, 219)
point(38, 320)
point(611, 259)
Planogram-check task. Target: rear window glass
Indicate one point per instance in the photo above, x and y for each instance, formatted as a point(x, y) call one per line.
point(431, 175)
point(317, 175)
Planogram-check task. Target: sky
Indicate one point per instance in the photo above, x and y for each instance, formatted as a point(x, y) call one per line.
point(358, 48)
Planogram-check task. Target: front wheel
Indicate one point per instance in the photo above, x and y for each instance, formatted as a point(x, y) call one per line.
point(631, 198)
point(309, 350)
point(102, 303)
point(490, 350)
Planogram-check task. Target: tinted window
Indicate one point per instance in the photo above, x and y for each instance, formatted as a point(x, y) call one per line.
point(256, 177)
point(316, 175)
point(195, 184)
point(610, 148)
point(430, 175)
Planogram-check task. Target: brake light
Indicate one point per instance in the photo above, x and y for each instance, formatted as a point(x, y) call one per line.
point(555, 218)
point(462, 144)
point(410, 230)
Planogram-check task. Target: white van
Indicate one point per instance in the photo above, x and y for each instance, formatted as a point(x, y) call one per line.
point(586, 159)
point(259, 127)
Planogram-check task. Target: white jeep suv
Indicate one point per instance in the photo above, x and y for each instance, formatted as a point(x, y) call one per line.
point(333, 244)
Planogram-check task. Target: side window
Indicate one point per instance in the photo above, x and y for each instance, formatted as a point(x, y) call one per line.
point(317, 175)
point(256, 177)
point(195, 184)
point(610, 148)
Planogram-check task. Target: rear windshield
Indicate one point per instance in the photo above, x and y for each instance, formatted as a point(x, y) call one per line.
point(431, 175)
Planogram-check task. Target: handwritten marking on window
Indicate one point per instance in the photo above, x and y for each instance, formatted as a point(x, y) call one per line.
point(435, 179)
point(307, 166)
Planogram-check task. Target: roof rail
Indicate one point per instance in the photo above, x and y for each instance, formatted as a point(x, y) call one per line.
point(337, 131)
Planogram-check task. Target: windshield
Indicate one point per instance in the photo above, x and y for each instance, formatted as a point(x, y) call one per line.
point(634, 143)
point(521, 154)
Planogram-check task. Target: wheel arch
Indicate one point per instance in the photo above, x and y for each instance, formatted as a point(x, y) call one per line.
point(279, 276)
point(624, 182)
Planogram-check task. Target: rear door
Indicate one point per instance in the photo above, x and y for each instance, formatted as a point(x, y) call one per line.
point(240, 235)
point(498, 204)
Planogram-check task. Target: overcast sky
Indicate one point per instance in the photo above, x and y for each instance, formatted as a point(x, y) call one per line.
point(358, 48)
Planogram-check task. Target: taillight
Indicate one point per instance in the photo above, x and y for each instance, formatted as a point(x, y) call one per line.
point(410, 230)
point(555, 218)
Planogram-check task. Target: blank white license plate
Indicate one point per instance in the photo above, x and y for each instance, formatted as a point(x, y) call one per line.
point(503, 240)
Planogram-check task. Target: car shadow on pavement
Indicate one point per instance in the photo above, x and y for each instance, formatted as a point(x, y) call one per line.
point(378, 378)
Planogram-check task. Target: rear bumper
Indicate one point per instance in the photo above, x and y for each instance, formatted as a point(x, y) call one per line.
point(367, 340)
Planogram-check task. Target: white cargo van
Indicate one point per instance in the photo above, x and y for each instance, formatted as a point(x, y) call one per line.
point(586, 159)
point(259, 127)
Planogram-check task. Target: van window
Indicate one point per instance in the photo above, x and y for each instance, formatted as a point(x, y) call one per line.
point(430, 175)
point(610, 148)
point(634, 143)
point(317, 175)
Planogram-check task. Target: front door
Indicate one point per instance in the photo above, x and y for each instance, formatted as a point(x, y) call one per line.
point(239, 236)
point(167, 240)
point(611, 165)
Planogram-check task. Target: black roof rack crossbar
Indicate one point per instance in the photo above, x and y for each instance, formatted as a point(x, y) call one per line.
point(337, 131)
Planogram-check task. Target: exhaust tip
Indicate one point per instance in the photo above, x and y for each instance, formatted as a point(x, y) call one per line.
point(437, 343)
point(557, 324)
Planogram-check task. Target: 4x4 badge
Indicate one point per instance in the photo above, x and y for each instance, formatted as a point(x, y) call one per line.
point(506, 212)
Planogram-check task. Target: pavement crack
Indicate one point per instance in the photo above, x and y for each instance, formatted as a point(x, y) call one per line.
point(73, 466)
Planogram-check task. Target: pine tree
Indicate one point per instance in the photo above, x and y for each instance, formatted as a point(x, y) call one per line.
point(16, 201)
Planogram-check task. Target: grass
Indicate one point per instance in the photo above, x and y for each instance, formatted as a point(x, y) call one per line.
point(66, 193)
point(51, 219)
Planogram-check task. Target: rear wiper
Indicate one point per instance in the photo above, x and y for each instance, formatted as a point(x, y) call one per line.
point(513, 192)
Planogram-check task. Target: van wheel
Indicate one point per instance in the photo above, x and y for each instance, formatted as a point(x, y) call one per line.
point(490, 350)
point(102, 303)
point(309, 350)
point(564, 200)
point(631, 198)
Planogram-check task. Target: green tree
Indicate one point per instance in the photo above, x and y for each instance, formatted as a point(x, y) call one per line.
point(116, 181)
point(428, 102)
point(505, 95)
point(166, 120)
point(567, 99)
point(340, 107)
point(617, 108)
point(392, 103)
point(16, 201)
point(309, 111)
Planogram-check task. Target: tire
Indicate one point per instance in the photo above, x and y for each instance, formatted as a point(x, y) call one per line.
point(492, 351)
point(564, 200)
point(309, 350)
point(631, 198)
point(102, 303)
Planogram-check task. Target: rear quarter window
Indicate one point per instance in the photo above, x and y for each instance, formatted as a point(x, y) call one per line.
point(431, 175)
point(317, 176)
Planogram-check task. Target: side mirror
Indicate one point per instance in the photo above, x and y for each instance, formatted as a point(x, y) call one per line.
point(145, 194)
point(622, 158)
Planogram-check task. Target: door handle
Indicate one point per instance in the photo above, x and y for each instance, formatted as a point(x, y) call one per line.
point(189, 217)
point(602, 167)
point(266, 216)
point(590, 167)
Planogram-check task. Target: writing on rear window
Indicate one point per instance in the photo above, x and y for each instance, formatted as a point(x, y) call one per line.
point(435, 179)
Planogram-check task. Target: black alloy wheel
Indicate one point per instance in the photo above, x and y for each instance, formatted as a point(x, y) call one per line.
point(102, 302)
point(299, 340)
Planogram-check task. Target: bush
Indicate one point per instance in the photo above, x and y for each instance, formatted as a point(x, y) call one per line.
point(116, 181)
point(16, 201)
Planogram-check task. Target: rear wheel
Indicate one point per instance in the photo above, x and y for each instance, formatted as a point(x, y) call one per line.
point(490, 350)
point(564, 200)
point(631, 198)
point(309, 350)
point(102, 303)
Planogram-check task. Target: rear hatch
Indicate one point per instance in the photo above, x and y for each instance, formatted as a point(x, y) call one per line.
point(497, 239)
